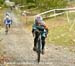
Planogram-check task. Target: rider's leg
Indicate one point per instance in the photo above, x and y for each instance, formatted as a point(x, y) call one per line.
point(35, 41)
point(6, 27)
point(43, 44)
point(9, 25)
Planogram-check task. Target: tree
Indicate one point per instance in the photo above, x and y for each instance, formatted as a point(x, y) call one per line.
point(51, 4)
point(42, 4)
point(1, 2)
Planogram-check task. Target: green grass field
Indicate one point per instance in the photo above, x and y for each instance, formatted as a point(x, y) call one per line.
point(61, 34)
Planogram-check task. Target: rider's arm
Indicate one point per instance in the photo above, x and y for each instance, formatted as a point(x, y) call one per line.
point(40, 28)
point(4, 20)
point(11, 21)
point(33, 29)
point(46, 27)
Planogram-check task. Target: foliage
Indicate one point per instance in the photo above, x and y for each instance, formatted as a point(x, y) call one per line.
point(1, 2)
point(42, 4)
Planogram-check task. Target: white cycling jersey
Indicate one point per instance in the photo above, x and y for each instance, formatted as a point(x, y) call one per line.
point(7, 20)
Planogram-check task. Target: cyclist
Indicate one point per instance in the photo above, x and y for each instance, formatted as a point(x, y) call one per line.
point(39, 26)
point(7, 20)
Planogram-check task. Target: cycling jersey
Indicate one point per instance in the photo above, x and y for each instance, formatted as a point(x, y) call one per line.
point(40, 28)
point(7, 20)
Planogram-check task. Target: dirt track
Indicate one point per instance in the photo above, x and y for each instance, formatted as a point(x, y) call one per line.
point(18, 46)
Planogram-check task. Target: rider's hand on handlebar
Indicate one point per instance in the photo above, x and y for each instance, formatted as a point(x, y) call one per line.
point(38, 31)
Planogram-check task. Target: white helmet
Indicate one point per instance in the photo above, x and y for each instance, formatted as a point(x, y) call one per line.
point(7, 13)
point(39, 18)
point(8, 17)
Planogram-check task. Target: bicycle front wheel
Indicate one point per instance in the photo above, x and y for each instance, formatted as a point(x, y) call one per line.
point(39, 51)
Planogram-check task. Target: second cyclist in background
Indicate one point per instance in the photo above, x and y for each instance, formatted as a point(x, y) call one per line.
point(7, 21)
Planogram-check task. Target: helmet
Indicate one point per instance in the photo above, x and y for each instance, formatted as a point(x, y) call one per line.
point(39, 18)
point(7, 17)
point(7, 14)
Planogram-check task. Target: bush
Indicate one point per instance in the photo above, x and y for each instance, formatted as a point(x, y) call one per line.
point(31, 5)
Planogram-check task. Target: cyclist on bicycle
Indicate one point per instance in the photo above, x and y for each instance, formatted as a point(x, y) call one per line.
point(39, 26)
point(7, 20)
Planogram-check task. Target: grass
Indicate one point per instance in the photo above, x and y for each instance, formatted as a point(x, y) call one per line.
point(59, 33)
point(1, 17)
